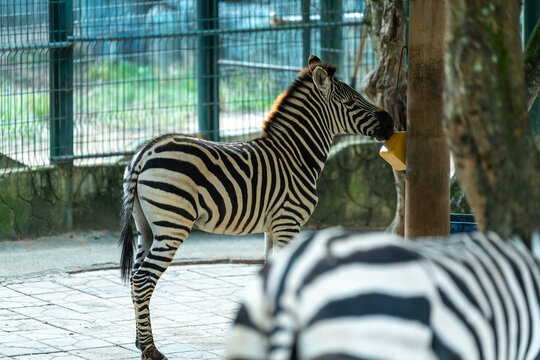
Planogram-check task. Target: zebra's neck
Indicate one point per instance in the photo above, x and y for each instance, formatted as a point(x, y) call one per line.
point(300, 126)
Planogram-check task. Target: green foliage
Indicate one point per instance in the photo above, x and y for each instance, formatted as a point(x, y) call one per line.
point(458, 202)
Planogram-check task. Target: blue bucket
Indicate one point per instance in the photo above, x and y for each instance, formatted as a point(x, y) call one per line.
point(462, 223)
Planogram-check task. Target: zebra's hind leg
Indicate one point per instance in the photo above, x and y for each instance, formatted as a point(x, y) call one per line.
point(144, 234)
point(167, 239)
point(144, 242)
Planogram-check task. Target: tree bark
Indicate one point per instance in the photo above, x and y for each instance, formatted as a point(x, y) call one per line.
point(427, 205)
point(496, 159)
point(386, 24)
point(532, 66)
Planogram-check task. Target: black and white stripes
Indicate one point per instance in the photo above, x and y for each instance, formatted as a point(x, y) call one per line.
point(342, 295)
point(175, 182)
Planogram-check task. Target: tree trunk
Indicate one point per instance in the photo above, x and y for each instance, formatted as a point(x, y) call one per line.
point(386, 24)
point(427, 206)
point(496, 159)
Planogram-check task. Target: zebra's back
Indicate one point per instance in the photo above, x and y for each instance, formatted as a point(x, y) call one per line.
point(344, 295)
point(227, 188)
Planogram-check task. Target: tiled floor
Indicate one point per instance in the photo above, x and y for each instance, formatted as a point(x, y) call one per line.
point(90, 316)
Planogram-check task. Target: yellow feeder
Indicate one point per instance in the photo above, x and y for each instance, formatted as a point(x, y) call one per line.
point(393, 150)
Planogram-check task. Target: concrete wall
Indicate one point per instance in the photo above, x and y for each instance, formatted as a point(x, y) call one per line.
point(356, 190)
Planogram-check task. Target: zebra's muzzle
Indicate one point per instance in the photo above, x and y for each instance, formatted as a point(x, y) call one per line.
point(386, 126)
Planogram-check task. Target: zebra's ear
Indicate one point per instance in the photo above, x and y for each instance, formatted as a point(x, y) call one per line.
point(313, 62)
point(322, 80)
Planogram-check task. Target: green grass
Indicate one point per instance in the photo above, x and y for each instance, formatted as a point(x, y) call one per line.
point(248, 92)
point(24, 114)
point(127, 94)
point(117, 70)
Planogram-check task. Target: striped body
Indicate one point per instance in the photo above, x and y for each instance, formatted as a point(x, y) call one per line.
point(175, 182)
point(343, 295)
point(234, 189)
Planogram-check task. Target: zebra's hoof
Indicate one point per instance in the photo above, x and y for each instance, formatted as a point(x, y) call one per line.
point(151, 353)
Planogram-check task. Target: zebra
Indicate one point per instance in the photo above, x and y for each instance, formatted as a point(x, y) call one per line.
point(352, 295)
point(176, 182)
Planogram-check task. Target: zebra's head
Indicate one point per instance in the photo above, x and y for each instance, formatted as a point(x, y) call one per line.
point(359, 115)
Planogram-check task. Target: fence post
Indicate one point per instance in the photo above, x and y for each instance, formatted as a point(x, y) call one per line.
point(306, 33)
point(331, 46)
point(61, 92)
point(208, 73)
point(61, 81)
point(428, 159)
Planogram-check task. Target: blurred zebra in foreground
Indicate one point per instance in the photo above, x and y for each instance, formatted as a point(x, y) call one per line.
point(175, 182)
point(343, 295)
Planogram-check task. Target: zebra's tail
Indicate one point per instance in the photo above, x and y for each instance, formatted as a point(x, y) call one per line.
point(126, 232)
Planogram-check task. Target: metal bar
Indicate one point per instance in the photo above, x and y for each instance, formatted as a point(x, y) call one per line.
point(69, 194)
point(207, 68)
point(306, 33)
point(198, 33)
point(64, 158)
point(331, 37)
point(261, 66)
point(50, 45)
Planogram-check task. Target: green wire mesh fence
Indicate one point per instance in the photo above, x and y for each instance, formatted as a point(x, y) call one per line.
point(87, 81)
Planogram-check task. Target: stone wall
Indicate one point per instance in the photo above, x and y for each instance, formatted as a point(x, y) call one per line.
point(356, 190)
point(35, 203)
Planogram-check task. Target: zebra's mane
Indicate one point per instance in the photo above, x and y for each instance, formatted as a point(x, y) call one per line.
point(303, 76)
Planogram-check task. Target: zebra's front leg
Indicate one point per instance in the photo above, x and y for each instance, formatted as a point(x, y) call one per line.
point(268, 245)
point(143, 283)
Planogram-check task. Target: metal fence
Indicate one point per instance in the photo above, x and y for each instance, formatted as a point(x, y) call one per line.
point(89, 80)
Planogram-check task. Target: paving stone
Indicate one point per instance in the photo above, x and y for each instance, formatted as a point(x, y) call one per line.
point(38, 287)
point(21, 300)
point(225, 291)
point(90, 315)
point(225, 271)
point(6, 292)
point(109, 352)
point(8, 314)
point(68, 342)
point(50, 356)
point(175, 348)
point(197, 355)
point(18, 325)
point(26, 347)
point(43, 335)
point(241, 280)
point(6, 338)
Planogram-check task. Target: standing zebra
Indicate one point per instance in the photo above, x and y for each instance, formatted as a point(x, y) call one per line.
point(175, 182)
point(343, 295)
